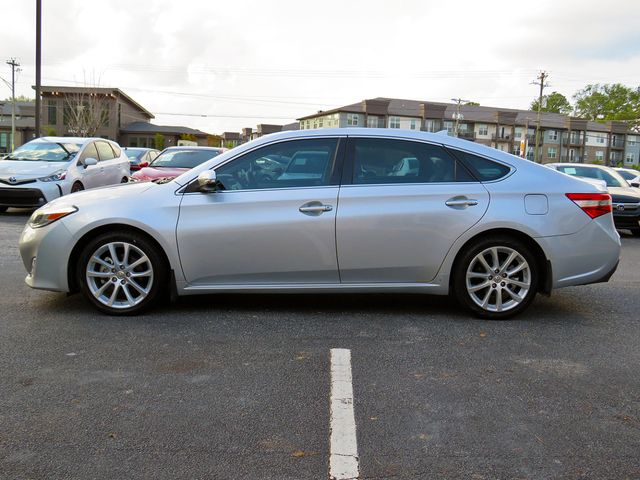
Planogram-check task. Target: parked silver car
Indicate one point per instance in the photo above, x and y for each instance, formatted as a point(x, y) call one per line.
point(486, 226)
point(50, 167)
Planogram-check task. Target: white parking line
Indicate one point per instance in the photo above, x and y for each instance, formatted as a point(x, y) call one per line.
point(343, 457)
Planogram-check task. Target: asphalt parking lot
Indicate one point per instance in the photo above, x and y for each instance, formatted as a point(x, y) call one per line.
point(238, 387)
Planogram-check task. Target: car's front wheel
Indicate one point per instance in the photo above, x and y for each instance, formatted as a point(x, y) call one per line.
point(121, 273)
point(496, 278)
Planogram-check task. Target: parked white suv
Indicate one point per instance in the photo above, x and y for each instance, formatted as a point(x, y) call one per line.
point(50, 167)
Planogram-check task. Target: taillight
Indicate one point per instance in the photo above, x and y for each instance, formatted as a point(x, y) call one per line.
point(593, 204)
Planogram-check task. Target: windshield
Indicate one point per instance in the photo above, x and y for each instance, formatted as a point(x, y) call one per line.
point(627, 175)
point(45, 152)
point(183, 158)
point(611, 177)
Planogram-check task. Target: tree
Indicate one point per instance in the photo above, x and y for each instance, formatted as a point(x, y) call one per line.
point(158, 139)
point(214, 140)
point(85, 112)
point(611, 101)
point(21, 98)
point(554, 103)
point(473, 104)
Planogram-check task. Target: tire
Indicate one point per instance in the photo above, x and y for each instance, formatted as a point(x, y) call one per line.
point(498, 297)
point(77, 187)
point(126, 288)
point(124, 180)
point(635, 232)
point(3, 209)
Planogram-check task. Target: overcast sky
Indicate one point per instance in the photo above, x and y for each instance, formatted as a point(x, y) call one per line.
point(246, 62)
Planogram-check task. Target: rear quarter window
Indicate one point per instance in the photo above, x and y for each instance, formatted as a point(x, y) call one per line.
point(483, 169)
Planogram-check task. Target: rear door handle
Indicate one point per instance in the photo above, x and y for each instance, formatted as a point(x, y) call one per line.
point(461, 202)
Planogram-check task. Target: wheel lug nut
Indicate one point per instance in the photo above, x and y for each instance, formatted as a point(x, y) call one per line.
point(128, 274)
point(504, 275)
point(123, 282)
point(502, 284)
point(497, 271)
point(493, 285)
point(114, 279)
point(113, 270)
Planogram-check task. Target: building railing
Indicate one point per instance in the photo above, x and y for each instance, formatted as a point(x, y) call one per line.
point(467, 135)
point(498, 137)
point(576, 141)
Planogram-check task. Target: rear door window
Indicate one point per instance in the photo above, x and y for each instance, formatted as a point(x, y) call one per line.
point(89, 152)
point(383, 160)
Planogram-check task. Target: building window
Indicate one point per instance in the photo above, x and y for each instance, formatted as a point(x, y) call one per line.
point(553, 135)
point(628, 159)
point(599, 156)
point(413, 124)
point(372, 121)
point(430, 125)
point(352, 119)
point(448, 125)
point(551, 152)
point(483, 130)
point(52, 112)
point(517, 134)
point(3, 140)
point(631, 141)
point(394, 122)
point(599, 139)
point(320, 122)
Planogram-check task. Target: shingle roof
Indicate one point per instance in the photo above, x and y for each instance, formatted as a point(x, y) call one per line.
point(146, 127)
point(471, 113)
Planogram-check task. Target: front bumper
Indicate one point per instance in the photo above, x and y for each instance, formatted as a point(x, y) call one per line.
point(45, 253)
point(30, 195)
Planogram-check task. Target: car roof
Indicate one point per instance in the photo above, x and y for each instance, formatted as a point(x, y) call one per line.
point(78, 140)
point(192, 147)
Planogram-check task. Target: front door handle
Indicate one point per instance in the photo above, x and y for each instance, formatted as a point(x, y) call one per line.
point(461, 202)
point(315, 208)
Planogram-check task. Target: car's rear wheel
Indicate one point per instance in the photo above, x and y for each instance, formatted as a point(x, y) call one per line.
point(496, 278)
point(121, 273)
point(124, 180)
point(77, 187)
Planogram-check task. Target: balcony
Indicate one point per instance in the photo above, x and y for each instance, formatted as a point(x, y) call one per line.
point(573, 141)
point(500, 138)
point(467, 135)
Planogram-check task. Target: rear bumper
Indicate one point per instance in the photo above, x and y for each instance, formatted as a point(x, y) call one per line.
point(590, 255)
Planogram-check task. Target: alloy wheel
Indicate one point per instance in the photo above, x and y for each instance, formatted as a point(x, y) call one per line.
point(498, 279)
point(119, 275)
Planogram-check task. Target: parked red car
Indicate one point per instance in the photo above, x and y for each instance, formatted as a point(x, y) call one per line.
point(174, 161)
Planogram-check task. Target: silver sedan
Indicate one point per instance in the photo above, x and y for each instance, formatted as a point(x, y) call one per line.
point(345, 210)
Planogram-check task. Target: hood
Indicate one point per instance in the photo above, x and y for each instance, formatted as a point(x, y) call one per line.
point(624, 194)
point(153, 173)
point(120, 192)
point(25, 169)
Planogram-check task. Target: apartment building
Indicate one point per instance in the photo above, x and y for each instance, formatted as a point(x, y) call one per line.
point(562, 138)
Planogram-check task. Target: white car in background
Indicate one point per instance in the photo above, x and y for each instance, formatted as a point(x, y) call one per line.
point(50, 167)
point(630, 175)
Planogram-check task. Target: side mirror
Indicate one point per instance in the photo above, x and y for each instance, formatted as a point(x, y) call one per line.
point(143, 164)
point(89, 162)
point(207, 181)
point(635, 184)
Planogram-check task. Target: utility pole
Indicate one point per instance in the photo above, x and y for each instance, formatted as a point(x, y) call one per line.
point(541, 77)
point(458, 116)
point(14, 66)
point(38, 63)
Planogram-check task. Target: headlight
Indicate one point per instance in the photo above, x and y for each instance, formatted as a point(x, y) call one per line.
point(46, 216)
point(59, 175)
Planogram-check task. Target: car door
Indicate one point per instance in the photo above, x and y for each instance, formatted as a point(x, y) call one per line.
point(395, 224)
point(90, 176)
point(261, 229)
point(109, 164)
